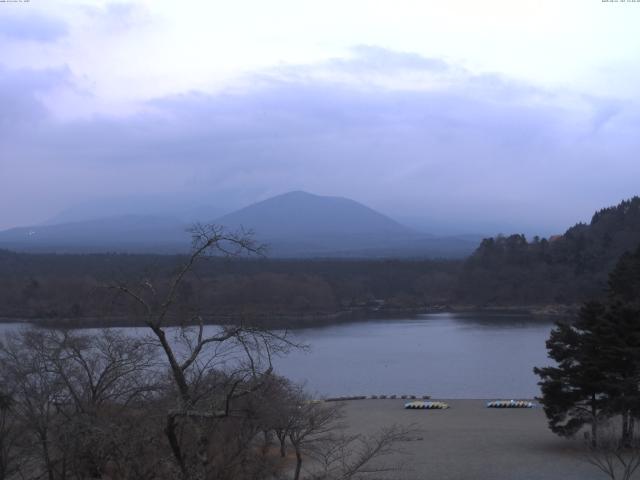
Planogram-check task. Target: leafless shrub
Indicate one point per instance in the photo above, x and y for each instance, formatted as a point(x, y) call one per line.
point(617, 459)
point(344, 456)
point(316, 432)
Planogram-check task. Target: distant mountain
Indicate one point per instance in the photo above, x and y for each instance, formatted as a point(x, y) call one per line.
point(295, 224)
point(127, 233)
point(301, 214)
point(174, 206)
point(302, 224)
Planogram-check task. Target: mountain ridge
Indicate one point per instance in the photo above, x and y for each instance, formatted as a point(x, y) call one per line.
point(293, 224)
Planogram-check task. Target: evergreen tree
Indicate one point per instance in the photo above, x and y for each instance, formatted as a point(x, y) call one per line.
point(574, 393)
point(619, 357)
point(598, 360)
point(624, 280)
point(621, 344)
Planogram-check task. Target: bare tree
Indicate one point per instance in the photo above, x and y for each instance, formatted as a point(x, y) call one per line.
point(184, 400)
point(36, 393)
point(279, 404)
point(311, 423)
point(316, 432)
point(345, 457)
point(10, 459)
point(617, 458)
point(109, 367)
point(69, 391)
point(210, 368)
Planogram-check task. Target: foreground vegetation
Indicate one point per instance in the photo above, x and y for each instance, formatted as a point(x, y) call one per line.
point(172, 403)
point(106, 405)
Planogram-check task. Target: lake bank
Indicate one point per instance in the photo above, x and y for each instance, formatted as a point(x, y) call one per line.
point(470, 441)
point(310, 320)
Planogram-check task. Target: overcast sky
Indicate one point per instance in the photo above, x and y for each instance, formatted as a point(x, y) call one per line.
point(476, 116)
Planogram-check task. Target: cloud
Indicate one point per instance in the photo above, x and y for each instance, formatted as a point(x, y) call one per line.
point(20, 92)
point(366, 65)
point(368, 58)
point(604, 111)
point(117, 16)
point(450, 146)
point(32, 27)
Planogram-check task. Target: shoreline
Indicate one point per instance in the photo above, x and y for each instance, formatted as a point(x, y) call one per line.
point(294, 322)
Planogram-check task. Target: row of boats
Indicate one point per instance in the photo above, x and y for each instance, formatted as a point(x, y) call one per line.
point(423, 405)
point(420, 405)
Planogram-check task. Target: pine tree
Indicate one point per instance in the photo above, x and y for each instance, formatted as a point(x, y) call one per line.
point(598, 360)
point(574, 393)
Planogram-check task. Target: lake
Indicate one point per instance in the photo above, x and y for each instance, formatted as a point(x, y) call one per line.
point(445, 355)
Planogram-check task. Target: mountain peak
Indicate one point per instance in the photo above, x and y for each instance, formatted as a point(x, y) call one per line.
point(301, 195)
point(299, 214)
point(297, 193)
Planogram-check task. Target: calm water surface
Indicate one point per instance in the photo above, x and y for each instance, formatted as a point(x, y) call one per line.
point(448, 355)
point(444, 355)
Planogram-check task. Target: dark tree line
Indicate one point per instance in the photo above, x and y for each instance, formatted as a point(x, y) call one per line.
point(71, 287)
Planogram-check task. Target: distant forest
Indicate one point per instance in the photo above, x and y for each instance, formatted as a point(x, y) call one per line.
point(565, 269)
point(505, 271)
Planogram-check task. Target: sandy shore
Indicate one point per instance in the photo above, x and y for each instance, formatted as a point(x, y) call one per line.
point(470, 441)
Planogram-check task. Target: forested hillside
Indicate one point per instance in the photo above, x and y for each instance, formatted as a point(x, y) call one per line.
point(563, 269)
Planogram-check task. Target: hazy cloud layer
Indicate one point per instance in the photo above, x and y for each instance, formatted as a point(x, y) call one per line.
point(414, 137)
